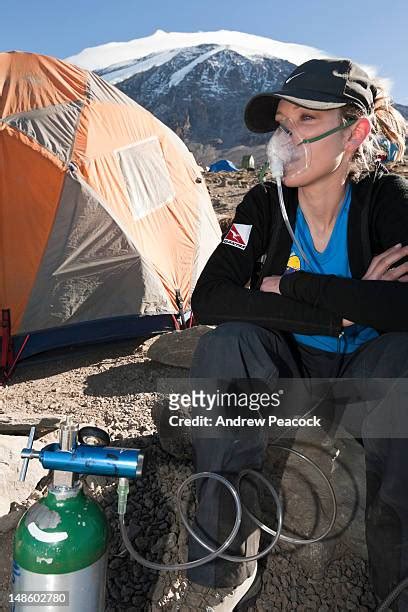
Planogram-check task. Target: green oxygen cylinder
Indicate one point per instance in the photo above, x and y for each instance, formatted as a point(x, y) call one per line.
point(60, 544)
point(60, 554)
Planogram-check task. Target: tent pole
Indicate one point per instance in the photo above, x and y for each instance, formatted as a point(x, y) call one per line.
point(176, 323)
point(9, 373)
point(6, 346)
point(180, 306)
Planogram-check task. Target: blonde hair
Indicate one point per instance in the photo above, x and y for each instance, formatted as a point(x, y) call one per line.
point(386, 121)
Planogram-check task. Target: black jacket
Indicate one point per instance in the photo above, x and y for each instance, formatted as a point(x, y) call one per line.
point(310, 303)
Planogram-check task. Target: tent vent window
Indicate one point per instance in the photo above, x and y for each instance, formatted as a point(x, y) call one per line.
point(146, 175)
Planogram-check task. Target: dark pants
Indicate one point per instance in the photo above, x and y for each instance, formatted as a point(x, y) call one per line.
point(247, 352)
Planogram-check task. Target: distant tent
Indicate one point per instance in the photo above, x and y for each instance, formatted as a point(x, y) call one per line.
point(223, 165)
point(248, 162)
point(104, 215)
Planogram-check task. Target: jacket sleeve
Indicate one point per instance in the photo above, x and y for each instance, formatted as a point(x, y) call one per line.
point(220, 294)
point(379, 304)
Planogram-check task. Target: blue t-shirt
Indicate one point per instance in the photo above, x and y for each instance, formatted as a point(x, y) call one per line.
point(333, 260)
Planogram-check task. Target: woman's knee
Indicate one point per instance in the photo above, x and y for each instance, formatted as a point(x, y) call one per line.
point(220, 343)
point(229, 338)
point(238, 350)
point(392, 339)
point(237, 330)
point(391, 354)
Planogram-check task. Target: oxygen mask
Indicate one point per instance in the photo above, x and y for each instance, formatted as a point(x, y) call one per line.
point(288, 153)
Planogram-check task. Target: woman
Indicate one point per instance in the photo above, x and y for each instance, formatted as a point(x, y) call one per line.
point(333, 302)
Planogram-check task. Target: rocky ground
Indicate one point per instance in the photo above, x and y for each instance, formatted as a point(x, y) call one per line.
point(227, 189)
point(114, 386)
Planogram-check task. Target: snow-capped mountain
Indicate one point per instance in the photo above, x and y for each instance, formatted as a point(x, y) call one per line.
point(199, 83)
point(101, 56)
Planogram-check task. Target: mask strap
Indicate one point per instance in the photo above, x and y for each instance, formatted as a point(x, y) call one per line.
point(337, 129)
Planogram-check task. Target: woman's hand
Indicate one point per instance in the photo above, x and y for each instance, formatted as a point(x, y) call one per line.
point(271, 284)
point(346, 323)
point(381, 268)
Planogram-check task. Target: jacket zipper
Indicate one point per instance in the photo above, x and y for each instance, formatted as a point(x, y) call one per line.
point(338, 340)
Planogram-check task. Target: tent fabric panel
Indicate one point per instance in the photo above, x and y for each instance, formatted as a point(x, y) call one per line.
point(29, 81)
point(208, 229)
point(193, 210)
point(30, 187)
point(192, 192)
point(52, 127)
point(104, 127)
point(89, 269)
point(25, 140)
point(223, 165)
point(91, 332)
point(102, 91)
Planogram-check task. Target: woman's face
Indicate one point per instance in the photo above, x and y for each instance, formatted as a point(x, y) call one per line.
point(326, 155)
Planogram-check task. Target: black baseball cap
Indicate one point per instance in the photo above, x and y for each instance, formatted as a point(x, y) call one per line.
point(320, 84)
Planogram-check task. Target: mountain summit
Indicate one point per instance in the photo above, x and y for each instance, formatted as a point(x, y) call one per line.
point(249, 45)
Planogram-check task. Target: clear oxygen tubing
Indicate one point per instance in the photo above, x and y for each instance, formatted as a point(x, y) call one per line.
point(123, 490)
point(286, 218)
point(276, 167)
point(392, 596)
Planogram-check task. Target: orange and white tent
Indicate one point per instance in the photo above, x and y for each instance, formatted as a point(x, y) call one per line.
point(104, 214)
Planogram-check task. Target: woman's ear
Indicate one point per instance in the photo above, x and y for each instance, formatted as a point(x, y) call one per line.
point(360, 131)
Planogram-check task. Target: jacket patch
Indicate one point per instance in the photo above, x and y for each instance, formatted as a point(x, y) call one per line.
point(238, 235)
point(293, 264)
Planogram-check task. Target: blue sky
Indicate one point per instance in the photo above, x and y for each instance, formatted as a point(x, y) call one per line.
point(371, 32)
